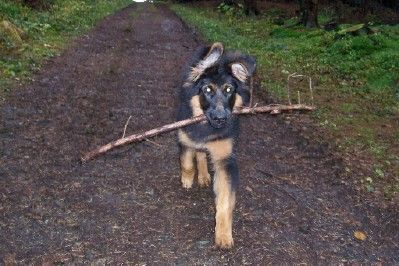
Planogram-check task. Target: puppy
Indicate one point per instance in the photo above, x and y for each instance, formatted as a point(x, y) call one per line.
point(215, 83)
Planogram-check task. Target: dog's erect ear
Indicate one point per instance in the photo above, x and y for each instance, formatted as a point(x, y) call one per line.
point(239, 65)
point(239, 71)
point(209, 60)
point(243, 67)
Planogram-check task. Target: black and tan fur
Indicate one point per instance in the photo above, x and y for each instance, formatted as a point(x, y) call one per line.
point(215, 82)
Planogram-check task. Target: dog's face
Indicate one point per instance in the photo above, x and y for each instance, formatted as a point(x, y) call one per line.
point(220, 83)
point(217, 98)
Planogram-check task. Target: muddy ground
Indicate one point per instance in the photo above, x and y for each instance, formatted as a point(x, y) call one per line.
point(295, 204)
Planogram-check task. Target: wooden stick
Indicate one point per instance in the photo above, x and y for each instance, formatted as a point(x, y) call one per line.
point(273, 109)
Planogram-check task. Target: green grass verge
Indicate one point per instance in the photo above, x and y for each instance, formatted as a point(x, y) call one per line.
point(356, 77)
point(44, 32)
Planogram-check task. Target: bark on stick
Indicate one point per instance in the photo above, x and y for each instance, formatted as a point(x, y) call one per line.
point(272, 109)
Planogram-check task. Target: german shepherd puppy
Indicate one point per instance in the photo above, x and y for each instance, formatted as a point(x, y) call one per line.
point(215, 83)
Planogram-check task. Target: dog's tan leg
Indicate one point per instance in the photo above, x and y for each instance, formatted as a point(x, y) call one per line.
point(204, 179)
point(187, 167)
point(225, 180)
point(225, 202)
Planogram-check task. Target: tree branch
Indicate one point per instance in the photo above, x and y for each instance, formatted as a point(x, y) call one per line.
point(272, 109)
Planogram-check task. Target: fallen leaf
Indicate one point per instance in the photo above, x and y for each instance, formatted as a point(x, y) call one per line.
point(359, 235)
point(9, 259)
point(248, 189)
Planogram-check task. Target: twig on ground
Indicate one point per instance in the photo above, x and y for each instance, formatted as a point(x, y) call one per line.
point(299, 97)
point(295, 75)
point(154, 143)
point(273, 109)
point(251, 91)
point(124, 130)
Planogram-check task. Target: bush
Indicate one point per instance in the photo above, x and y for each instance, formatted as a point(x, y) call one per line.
point(232, 10)
point(39, 4)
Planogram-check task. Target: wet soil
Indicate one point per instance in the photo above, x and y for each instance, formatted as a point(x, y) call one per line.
point(295, 203)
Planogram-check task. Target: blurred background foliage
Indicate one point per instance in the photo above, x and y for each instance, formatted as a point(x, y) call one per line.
point(350, 49)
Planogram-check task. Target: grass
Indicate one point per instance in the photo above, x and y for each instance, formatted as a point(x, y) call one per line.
point(44, 33)
point(356, 77)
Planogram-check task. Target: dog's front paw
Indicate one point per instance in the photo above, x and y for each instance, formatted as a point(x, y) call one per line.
point(187, 182)
point(204, 180)
point(224, 241)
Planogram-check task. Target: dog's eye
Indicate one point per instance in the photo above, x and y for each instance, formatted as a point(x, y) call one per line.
point(208, 89)
point(228, 89)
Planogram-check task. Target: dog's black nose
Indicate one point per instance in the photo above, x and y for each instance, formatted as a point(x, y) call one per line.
point(219, 117)
point(220, 120)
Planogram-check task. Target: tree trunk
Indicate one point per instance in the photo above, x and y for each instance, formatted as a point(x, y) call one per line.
point(251, 7)
point(309, 12)
point(365, 9)
point(230, 2)
point(338, 9)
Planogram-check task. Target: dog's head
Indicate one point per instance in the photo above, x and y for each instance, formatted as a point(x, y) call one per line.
point(221, 82)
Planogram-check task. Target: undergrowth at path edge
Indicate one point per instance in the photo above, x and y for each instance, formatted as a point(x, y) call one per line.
point(43, 33)
point(356, 79)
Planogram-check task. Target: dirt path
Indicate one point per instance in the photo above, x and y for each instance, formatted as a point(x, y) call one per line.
point(294, 205)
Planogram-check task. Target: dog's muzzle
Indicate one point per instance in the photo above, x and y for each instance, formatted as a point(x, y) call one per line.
point(218, 119)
